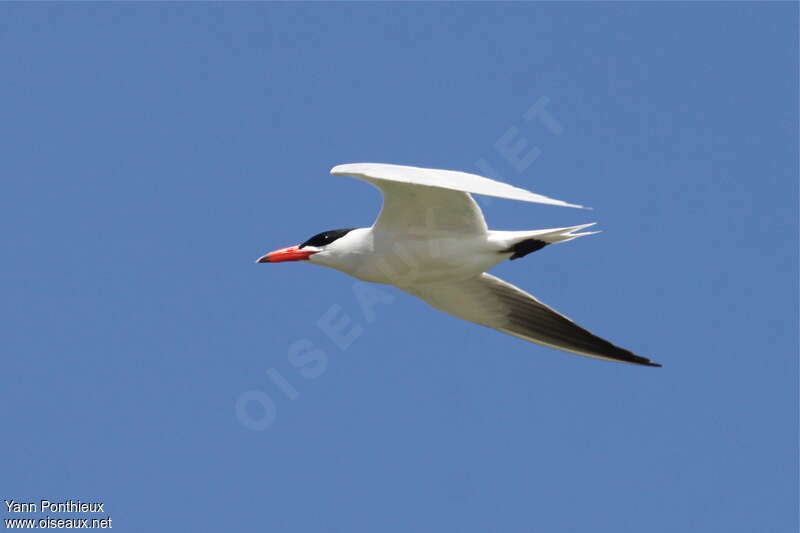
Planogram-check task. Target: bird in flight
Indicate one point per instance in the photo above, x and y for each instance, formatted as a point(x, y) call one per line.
point(431, 240)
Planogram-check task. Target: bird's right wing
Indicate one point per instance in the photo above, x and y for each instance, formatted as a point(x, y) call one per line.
point(444, 179)
point(430, 202)
point(492, 302)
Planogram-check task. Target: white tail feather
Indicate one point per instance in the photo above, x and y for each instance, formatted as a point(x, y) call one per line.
point(506, 239)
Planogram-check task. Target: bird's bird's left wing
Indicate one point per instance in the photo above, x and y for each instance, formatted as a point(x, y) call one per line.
point(492, 302)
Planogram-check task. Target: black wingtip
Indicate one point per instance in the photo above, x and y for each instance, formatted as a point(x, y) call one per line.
point(523, 248)
point(643, 361)
point(627, 357)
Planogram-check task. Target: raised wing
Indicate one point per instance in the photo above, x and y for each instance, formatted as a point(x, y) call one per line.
point(444, 179)
point(430, 201)
point(492, 302)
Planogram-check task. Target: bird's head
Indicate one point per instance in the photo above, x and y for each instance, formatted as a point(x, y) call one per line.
point(320, 245)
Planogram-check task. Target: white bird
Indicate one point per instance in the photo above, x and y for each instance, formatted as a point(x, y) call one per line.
point(431, 240)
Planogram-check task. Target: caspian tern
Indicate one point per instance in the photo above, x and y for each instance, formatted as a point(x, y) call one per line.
point(431, 240)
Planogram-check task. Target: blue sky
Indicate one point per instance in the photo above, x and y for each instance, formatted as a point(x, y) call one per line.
point(152, 152)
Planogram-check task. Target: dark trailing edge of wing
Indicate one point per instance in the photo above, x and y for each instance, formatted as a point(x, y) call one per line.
point(523, 248)
point(533, 318)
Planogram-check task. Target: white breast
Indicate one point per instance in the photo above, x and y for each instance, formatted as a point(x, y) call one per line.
point(370, 255)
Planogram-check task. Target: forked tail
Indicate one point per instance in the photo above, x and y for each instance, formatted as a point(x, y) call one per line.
point(521, 243)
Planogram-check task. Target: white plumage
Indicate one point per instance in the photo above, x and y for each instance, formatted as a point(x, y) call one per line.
point(432, 241)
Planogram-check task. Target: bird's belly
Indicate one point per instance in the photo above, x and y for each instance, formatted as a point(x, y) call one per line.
point(419, 262)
